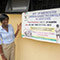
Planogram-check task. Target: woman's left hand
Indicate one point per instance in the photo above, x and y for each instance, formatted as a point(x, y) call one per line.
point(19, 26)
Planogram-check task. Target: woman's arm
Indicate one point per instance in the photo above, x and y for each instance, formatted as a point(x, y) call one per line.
point(18, 28)
point(2, 54)
point(16, 33)
point(1, 51)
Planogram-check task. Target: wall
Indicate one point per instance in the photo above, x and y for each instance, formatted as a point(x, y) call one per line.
point(28, 49)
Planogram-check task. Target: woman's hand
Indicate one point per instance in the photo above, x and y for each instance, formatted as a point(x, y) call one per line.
point(3, 57)
point(2, 54)
point(19, 26)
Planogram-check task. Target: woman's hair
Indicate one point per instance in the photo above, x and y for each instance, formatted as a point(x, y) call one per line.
point(3, 16)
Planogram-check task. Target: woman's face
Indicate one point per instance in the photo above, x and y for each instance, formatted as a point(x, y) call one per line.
point(5, 22)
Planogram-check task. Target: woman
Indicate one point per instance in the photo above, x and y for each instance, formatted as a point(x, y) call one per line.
point(7, 36)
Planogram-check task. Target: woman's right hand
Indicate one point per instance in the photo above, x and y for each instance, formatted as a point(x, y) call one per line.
point(3, 57)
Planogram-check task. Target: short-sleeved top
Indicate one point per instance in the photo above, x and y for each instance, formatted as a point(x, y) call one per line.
point(7, 37)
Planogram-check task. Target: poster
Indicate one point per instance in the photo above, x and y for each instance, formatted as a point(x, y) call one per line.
point(42, 25)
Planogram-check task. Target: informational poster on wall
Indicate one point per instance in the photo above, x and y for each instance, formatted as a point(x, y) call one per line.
point(42, 25)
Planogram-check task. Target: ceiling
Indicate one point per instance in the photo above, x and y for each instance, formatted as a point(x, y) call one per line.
point(44, 4)
point(27, 5)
